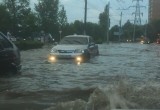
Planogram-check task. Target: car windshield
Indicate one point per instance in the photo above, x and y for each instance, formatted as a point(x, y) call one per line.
point(4, 43)
point(74, 40)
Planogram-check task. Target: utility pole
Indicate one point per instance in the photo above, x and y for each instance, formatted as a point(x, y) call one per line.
point(120, 27)
point(137, 18)
point(120, 23)
point(145, 32)
point(85, 17)
point(138, 13)
point(108, 22)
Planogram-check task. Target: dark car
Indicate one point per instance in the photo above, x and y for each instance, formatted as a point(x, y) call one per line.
point(9, 56)
point(78, 47)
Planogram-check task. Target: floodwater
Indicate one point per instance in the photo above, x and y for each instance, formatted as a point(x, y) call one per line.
point(123, 76)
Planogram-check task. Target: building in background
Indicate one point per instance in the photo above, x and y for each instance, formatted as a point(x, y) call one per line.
point(154, 10)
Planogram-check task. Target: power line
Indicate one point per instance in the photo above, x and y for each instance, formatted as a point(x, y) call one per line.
point(137, 13)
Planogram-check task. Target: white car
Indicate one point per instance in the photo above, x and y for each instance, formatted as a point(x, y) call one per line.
point(77, 47)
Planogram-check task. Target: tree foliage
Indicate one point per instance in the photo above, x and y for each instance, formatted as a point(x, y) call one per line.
point(49, 16)
point(62, 17)
point(18, 11)
point(5, 21)
point(94, 30)
point(47, 11)
point(114, 37)
point(103, 22)
point(128, 29)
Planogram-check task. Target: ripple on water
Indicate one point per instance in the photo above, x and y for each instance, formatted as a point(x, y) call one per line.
point(91, 85)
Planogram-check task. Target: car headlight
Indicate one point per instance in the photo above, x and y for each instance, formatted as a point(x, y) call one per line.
point(52, 58)
point(79, 51)
point(142, 42)
point(54, 51)
point(79, 60)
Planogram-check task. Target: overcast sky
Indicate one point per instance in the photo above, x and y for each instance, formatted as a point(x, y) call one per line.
point(75, 10)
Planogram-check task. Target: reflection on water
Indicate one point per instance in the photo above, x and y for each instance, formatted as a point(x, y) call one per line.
point(94, 85)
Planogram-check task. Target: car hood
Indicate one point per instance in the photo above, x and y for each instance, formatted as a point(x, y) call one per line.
point(70, 47)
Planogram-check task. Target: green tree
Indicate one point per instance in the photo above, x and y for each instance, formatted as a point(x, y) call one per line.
point(62, 18)
point(5, 20)
point(18, 10)
point(30, 25)
point(47, 11)
point(68, 29)
point(114, 37)
point(103, 21)
point(94, 30)
point(127, 31)
point(62, 21)
point(78, 27)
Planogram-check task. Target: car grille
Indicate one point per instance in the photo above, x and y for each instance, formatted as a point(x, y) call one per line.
point(66, 51)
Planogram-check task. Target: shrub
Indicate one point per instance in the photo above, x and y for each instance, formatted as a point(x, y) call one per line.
point(26, 45)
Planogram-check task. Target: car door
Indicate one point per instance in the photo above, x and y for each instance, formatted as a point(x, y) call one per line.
point(92, 46)
point(5, 50)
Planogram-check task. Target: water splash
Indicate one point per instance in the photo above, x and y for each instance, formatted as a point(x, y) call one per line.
point(121, 96)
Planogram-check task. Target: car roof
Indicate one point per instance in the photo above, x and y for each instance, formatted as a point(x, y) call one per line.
point(78, 36)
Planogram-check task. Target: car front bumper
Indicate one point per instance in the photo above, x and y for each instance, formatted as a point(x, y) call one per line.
point(78, 57)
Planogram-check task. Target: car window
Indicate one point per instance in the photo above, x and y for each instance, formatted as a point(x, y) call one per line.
point(74, 40)
point(4, 43)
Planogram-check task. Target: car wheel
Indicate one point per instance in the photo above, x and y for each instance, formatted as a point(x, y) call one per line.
point(14, 70)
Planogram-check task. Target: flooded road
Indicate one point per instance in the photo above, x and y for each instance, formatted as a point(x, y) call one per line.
point(122, 76)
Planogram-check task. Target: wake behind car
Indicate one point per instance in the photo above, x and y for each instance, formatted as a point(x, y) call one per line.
point(77, 47)
point(9, 56)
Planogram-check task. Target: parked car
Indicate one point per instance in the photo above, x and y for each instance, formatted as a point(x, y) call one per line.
point(78, 47)
point(9, 55)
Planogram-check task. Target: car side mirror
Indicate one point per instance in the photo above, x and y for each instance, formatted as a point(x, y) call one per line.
point(92, 44)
